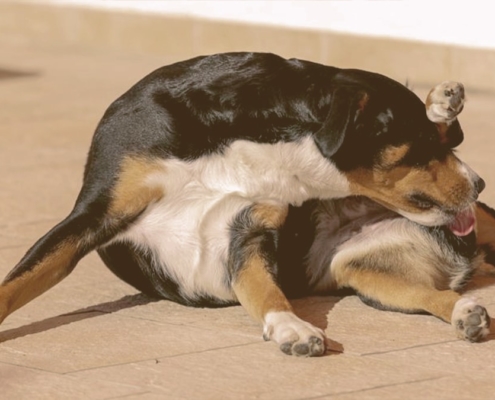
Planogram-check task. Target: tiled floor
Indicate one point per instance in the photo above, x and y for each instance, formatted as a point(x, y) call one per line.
point(93, 337)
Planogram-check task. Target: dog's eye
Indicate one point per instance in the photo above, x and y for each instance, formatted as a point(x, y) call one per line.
point(422, 201)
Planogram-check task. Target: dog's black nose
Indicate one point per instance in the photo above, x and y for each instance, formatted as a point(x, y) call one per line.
point(479, 185)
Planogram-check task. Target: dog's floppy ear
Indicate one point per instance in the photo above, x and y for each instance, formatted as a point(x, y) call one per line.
point(346, 105)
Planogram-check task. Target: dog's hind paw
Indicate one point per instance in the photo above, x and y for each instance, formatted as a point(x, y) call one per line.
point(445, 101)
point(470, 320)
point(294, 336)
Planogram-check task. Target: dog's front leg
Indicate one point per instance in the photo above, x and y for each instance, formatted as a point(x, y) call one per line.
point(252, 263)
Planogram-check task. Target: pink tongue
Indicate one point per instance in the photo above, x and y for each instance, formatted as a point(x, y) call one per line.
point(464, 223)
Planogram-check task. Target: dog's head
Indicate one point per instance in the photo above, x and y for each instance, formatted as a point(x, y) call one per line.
point(397, 152)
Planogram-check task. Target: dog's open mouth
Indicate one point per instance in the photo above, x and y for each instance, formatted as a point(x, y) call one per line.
point(463, 224)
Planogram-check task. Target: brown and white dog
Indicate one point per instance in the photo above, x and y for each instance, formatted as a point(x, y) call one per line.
point(195, 176)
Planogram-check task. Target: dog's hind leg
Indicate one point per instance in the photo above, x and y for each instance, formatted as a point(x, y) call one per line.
point(394, 292)
point(98, 216)
point(252, 263)
point(443, 104)
point(50, 260)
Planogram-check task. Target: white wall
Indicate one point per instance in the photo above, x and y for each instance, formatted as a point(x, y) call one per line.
point(465, 23)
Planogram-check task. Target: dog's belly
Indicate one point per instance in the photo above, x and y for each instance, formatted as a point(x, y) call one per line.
point(350, 225)
point(187, 236)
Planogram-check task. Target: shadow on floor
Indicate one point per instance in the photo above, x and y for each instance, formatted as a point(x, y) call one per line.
point(11, 73)
point(75, 316)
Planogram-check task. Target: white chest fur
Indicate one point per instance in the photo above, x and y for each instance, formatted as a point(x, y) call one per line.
point(188, 230)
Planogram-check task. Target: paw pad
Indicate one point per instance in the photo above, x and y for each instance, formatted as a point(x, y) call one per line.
point(471, 321)
point(313, 347)
point(293, 335)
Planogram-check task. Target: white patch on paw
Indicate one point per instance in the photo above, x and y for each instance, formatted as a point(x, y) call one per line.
point(295, 336)
point(446, 102)
point(470, 320)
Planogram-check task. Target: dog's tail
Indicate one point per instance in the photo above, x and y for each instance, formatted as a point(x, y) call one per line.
point(485, 217)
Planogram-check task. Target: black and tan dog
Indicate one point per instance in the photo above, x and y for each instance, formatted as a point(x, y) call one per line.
point(191, 173)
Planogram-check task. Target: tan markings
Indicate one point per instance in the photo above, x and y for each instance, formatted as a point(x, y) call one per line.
point(392, 155)
point(396, 292)
point(443, 129)
point(256, 290)
point(132, 193)
point(485, 228)
point(363, 102)
point(46, 274)
point(270, 215)
point(441, 180)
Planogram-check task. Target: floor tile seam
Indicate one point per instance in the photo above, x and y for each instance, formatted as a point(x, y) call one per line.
point(66, 375)
point(404, 383)
point(156, 359)
point(378, 353)
point(125, 396)
point(29, 367)
point(196, 327)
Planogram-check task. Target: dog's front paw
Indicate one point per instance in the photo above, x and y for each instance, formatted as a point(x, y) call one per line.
point(445, 101)
point(293, 335)
point(470, 320)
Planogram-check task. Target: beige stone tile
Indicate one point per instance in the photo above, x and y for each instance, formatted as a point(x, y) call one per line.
point(148, 34)
point(37, 195)
point(456, 357)
point(257, 371)
point(395, 58)
point(20, 236)
point(153, 396)
point(97, 340)
point(445, 388)
point(216, 37)
point(25, 383)
point(475, 66)
point(93, 28)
